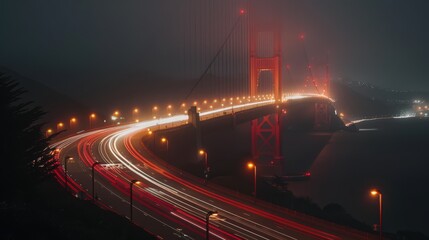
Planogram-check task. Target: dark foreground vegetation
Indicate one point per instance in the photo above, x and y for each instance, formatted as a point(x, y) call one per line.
point(32, 204)
point(48, 212)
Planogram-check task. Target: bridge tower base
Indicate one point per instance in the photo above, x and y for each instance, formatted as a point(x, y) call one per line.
point(194, 119)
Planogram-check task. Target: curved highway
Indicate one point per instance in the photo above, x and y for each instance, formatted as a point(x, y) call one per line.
point(171, 204)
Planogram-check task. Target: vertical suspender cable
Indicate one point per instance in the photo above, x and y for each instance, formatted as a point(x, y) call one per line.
point(215, 57)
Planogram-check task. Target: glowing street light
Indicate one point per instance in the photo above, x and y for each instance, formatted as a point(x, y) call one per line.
point(183, 108)
point(154, 111)
point(208, 215)
point(131, 197)
point(92, 117)
point(73, 121)
point(60, 125)
point(374, 193)
point(251, 165)
point(48, 132)
point(116, 117)
point(203, 154)
point(136, 114)
point(165, 141)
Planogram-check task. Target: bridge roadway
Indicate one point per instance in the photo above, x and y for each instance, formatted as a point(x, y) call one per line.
point(172, 204)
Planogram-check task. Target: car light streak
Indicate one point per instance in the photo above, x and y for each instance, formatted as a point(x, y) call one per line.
point(160, 197)
point(115, 140)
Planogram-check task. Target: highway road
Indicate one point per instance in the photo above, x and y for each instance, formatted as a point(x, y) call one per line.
point(170, 203)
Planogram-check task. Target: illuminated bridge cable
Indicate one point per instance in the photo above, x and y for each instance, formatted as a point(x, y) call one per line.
point(225, 54)
point(287, 67)
point(213, 60)
point(310, 71)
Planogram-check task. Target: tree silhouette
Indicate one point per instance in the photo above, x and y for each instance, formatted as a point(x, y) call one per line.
point(26, 157)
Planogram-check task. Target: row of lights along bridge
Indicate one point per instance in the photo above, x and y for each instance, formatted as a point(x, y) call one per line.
point(155, 113)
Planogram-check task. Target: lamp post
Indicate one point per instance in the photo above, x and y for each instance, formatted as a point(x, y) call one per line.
point(165, 140)
point(203, 153)
point(136, 114)
point(73, 121)
point(152, 135)
point(169, 110)
point(209, 213)
point(154, 111)
point(60, 125)
point(183, 108)
point(92, 175)
point(66, 159)
point(116, 117)
point(91, 117)
point(376, 192)
point(131, 197)
point(251, 165)
point(48, 132)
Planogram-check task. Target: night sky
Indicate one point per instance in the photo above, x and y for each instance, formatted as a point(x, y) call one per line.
point(74, 46)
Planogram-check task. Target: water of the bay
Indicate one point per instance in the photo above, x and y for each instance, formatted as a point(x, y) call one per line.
point(390, 154)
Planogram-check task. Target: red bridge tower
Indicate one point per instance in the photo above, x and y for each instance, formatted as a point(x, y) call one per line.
point(266, 141)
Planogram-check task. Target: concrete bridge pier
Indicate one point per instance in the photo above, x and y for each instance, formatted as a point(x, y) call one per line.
point(194, 120)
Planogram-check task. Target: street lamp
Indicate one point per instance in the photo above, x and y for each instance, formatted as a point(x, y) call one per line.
point(91, 117)
point(183, 106)
point(66, 159)
point(374, 193)
point(72, 122)
point(165, 140)
point(48, 132)
point(136, 114)
point(154, 111)
point(251, 165)
point(131, 197)
point(203, 153)
point(169, 110)
point(209, 213)
point(59, 126)
point(93, 185)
